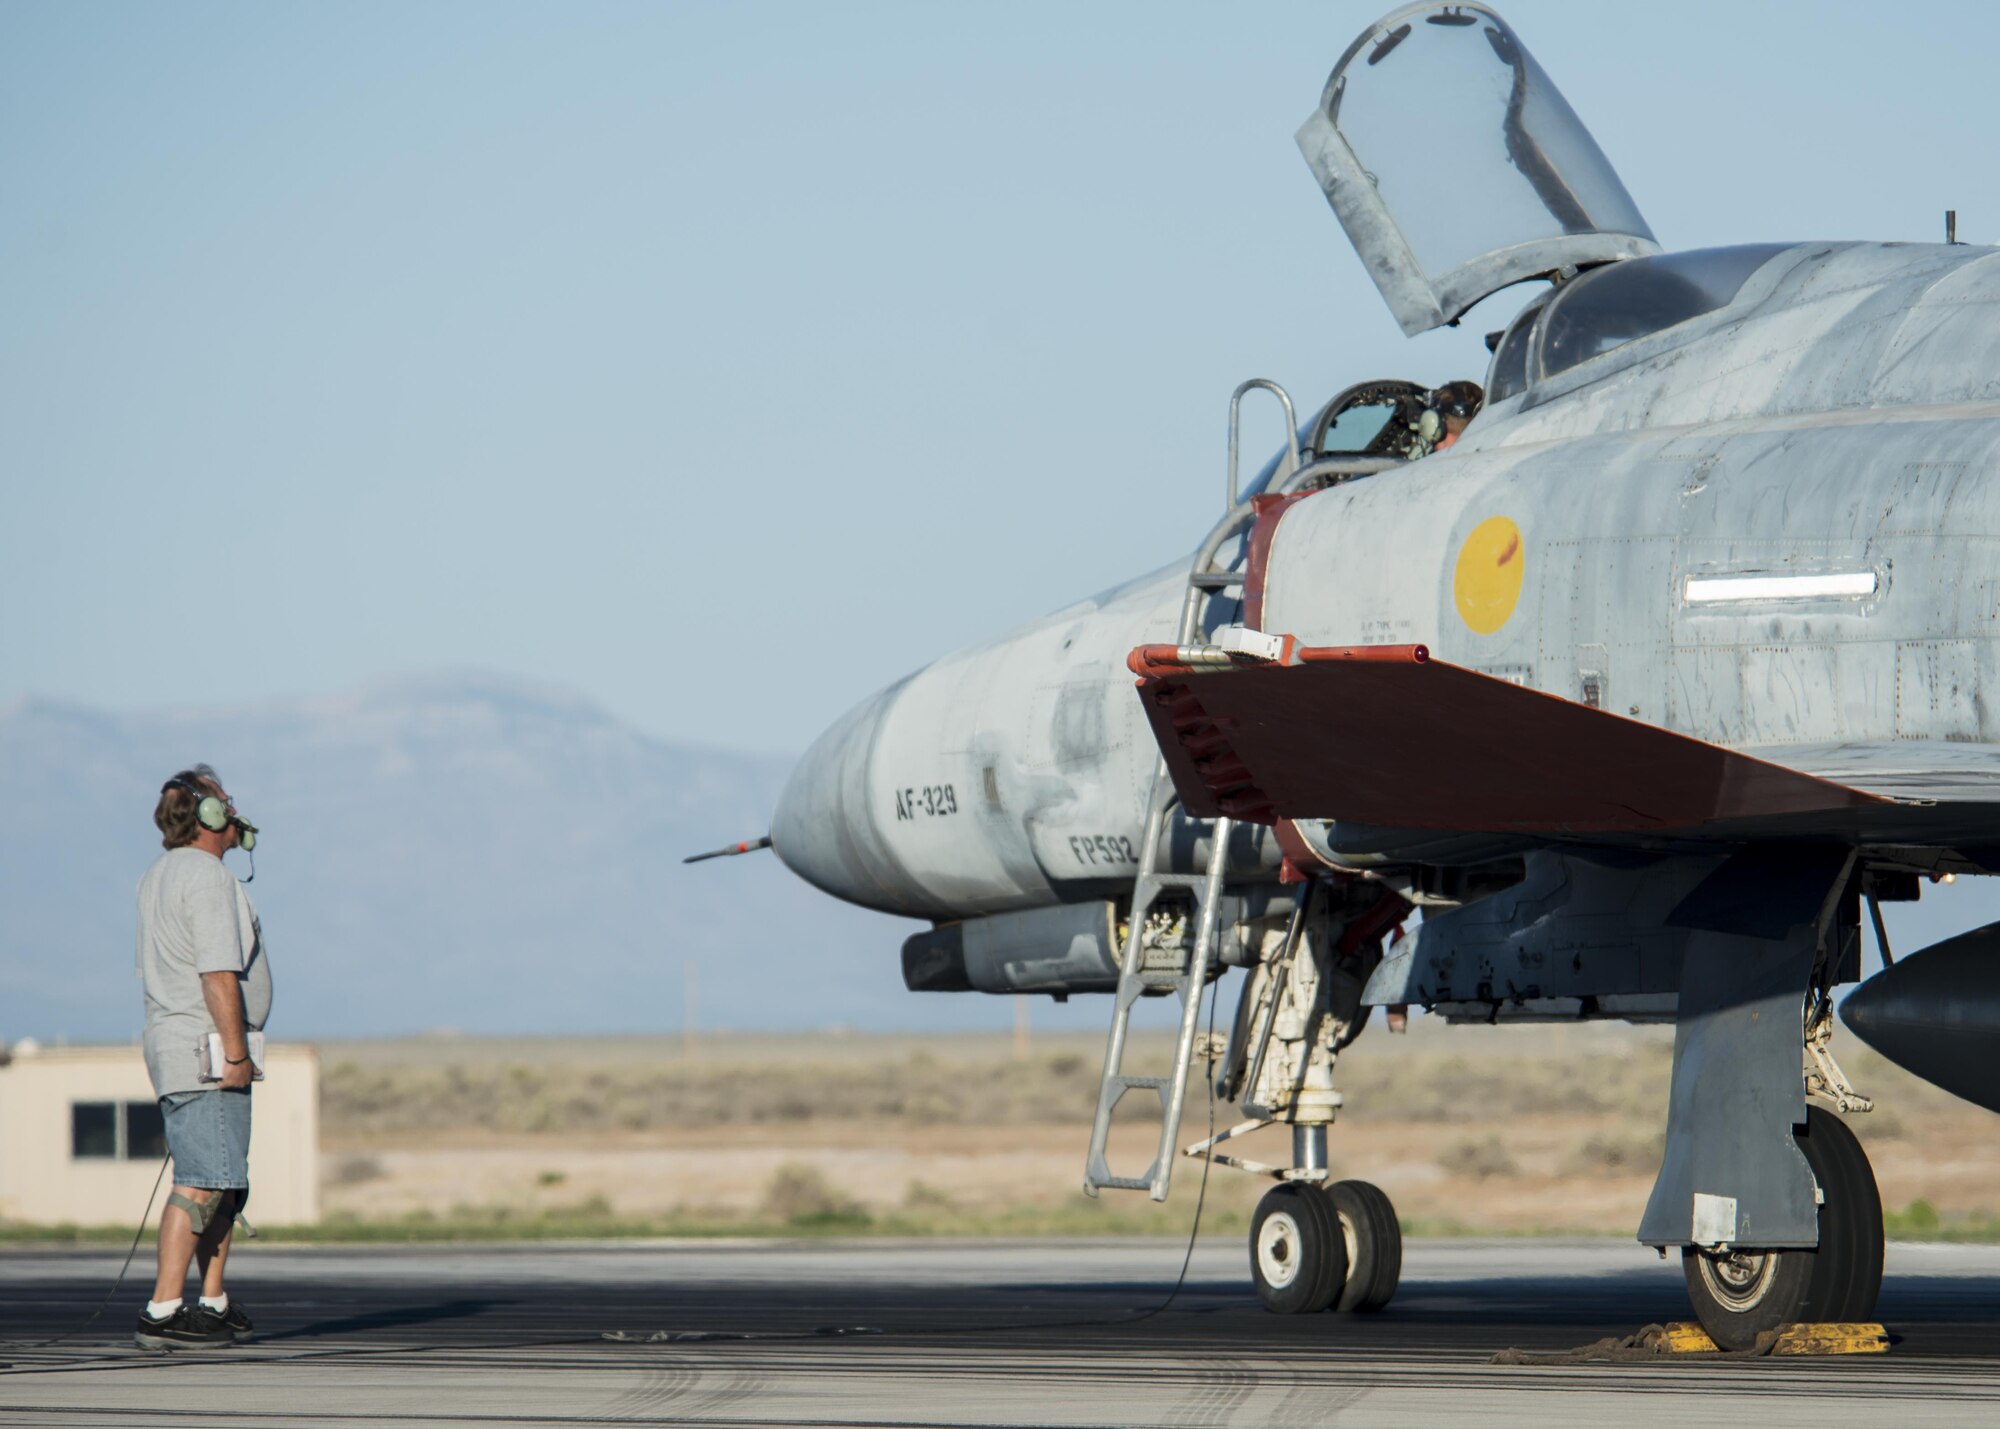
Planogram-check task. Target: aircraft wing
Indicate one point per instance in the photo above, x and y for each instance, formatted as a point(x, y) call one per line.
point(1387, 735)
point(1911, 770)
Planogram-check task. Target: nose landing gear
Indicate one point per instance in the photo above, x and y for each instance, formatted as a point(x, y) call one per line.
point(1298, 1254)
point(1316, 1247)
point(1374, 1246)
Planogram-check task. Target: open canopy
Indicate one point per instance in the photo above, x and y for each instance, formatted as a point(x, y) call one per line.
point(1457, 168)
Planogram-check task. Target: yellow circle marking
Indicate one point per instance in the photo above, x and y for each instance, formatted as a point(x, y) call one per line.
point(1487, 582)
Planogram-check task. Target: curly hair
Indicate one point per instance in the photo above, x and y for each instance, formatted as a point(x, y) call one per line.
point(174, 815)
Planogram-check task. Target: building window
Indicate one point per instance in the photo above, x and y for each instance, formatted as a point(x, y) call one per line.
point(145, 1131)
point(113, 1131)
point(93, 1130)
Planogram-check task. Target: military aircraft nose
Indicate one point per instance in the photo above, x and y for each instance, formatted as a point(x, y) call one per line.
point(824, 827)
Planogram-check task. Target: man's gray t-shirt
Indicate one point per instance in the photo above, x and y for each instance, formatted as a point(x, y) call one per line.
point(194, 918)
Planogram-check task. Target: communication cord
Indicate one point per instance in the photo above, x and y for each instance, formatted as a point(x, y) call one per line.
point(1201, 1192)
point(145, 1220)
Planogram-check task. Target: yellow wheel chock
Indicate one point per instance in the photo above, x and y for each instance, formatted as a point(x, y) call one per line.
point(1833, 1337)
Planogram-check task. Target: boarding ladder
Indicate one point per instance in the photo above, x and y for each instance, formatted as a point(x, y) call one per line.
point(1180, 968)
point(1183, 969)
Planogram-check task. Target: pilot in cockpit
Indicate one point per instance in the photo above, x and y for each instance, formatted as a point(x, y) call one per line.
point(1449, 412)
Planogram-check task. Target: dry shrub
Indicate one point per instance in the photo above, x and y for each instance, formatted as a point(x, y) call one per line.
point(920, 1196)
point(1462, 1075)
point(581, 1099)
point(1608, 1153)
point(801, 1193)
point(1470, 1077)
point(354, 1170)
point(1480, 1159)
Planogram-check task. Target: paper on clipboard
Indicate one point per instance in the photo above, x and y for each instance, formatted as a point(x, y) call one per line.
point(208, 1054)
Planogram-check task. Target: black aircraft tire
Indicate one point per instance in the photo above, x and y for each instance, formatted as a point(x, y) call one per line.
point(1847, 1272)
point(1374, 1242)
point(1298, 1256)
point(1739, 1296)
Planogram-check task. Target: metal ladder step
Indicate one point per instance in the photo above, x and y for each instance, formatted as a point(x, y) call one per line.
point(1134, 981)
point(1126, 1183)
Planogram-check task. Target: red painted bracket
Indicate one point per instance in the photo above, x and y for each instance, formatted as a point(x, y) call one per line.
point(1384, 734)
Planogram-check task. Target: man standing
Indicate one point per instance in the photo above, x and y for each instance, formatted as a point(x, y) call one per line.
point(208, 984)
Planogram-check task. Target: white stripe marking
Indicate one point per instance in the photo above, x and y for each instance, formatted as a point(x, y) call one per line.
point(1707, 590)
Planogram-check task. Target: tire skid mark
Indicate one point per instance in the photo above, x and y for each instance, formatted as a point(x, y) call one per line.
point(1217, 1389)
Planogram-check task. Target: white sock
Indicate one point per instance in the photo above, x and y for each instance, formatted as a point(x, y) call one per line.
point(161, 1309)
point(217, 1303)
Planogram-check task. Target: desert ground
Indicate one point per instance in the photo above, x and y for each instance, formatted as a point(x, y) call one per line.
point(1471, 1130)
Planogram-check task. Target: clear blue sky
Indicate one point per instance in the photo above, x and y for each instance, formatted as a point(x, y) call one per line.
point(724, 363)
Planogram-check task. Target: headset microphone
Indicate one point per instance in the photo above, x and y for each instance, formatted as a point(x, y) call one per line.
point(215, 815)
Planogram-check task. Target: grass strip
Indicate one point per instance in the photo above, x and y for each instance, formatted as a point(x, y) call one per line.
point(1079, 1218)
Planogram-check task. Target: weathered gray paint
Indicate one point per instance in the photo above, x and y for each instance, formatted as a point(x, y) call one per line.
point(1068, 948)
point(1734, 477)
point(1736, 1095)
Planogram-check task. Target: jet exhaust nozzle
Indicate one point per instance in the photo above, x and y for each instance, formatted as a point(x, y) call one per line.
point(1937, 1013)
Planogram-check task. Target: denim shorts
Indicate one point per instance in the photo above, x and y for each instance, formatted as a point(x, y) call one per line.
point(208, 1135)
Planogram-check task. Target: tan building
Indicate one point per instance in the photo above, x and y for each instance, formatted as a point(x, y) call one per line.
point(81, 1140)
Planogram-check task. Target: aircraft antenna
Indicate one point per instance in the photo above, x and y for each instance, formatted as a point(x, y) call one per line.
point(729, 850)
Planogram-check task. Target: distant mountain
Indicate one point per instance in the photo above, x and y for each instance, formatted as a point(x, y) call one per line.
point(461, 850)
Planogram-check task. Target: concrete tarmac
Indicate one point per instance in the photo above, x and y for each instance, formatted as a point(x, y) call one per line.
point(956, 1333)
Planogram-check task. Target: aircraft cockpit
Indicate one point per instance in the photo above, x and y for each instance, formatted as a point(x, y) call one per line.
point(1607, 307)
point(1392, 419)
point(1388, 418)
point(1368, 419)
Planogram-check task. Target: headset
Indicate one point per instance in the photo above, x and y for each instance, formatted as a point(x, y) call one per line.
point(1458, 401)
point(212, 813)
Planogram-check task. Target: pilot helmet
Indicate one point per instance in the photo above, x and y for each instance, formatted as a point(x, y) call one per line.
point(1458, 401)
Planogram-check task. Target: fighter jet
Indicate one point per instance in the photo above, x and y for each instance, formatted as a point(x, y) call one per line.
point(1646, 685)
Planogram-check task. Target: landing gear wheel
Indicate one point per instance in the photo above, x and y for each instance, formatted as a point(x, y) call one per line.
point(1374, 1243)
point(1298, 1256)
point(1740, 1294)
point(1847, 1271)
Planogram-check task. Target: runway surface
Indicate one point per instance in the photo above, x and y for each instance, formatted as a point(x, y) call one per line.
point(956, 1333)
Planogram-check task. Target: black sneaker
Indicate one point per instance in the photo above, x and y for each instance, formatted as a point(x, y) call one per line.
point(238, 1322)
point(192, 1327)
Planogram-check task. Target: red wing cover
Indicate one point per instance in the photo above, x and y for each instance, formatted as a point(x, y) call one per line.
point(1386, 735)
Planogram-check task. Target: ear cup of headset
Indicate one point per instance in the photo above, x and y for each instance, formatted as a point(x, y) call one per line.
point(212, 814)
